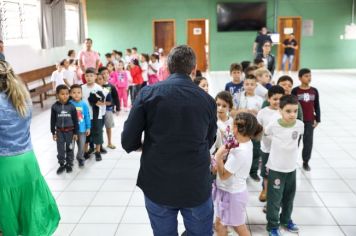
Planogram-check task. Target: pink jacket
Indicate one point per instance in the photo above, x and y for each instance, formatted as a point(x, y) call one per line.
point(119, 79)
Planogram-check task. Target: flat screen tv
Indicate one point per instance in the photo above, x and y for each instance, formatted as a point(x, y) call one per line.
point(241, 16)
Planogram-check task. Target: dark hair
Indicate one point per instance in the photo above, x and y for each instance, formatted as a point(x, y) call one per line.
point(249, 69)
point(266, 41)
point(108, 54)
point(134, 48)
point(181, 59)
point(155, 56)
point(119, 53)
point(135, 62)
point(197, 80)
point(235, 66)
point(75, 86)
point(226, 97)
point(70, 52)
point(62, 62)
point(71, 61)
point(198, 73)
point(247, 125)
point(61, 87)
point(251, 77)
point(288, 100)
point(101, 69)
point(89, 39)
point(128, 50)
point(257, 61)
point(285, 78)
point(303, 71)
point(145, 55)
point(275, 89)
point(1, 41)
point(90, 70)
point(245, 64)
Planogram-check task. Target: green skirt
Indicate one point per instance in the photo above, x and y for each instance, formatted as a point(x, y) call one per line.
point(27, 206)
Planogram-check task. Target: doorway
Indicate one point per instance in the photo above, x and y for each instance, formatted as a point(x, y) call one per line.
point(286, 26)
point(198, 39)
point(164, 35)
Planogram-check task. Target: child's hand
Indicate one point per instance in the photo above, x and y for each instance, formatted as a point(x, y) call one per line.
point(315, 124)
point(54, 137)
point(221, 153)
point(75, 137)
point(87, 133)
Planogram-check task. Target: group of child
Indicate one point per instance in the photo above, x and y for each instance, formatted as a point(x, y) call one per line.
point(267, 122)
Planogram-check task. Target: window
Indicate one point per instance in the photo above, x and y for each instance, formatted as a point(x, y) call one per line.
point(72, 22)
point(19, 20)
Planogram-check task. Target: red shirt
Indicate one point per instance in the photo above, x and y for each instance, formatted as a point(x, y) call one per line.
point(136, 74)
point(309, 100)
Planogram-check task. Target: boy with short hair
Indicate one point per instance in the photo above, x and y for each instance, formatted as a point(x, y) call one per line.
point(265, 116)
point(309, 99)
point(263, 78)
point(64, 128)
point(250, 102)
point(83, 116)
point(282, 163)
point(235, 87)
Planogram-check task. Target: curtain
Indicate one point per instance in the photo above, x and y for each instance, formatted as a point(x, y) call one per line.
point(82, 35)
point(58, 23)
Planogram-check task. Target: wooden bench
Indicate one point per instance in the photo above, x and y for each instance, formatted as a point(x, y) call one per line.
point(40, 87)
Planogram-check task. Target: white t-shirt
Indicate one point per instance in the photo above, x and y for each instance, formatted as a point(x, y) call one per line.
point(265, 117)
point(155, 66)
point(86, 93)
point(238, 164)
point(144, 68)
point(250, 102)
point(284, 148)
point(57, 78)
point(261, 91)
point(69, 75)
point(221, 133)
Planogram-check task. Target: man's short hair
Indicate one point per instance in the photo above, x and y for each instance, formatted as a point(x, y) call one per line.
point(181, 59)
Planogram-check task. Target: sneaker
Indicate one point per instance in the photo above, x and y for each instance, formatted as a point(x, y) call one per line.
point(91, 150)
point(291, 227)
point(111, 146)
point(86, 155)
point(81, 163)
point(69, 168)
point(263, 196)
point(264, 209)
point(306, 166)
point(61, 169)
point(274, 232)
point(255, 177)
point(103, 150)
point(98, 156)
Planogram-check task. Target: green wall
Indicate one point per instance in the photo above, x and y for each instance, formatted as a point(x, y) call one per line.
point(120, 24)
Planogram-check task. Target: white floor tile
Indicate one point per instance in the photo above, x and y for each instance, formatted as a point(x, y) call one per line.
point(338, 199)
point(326, 173)
point(320, 230)
point(97, 215)
point(135, 215)
point(137, 199)
point(124, 174)
point(95, 230)
point(344, 216)
point(307, 199)
point(330, 185)
point(64, 230)
point(312, 216)
point(71, 214)
point(349, 230)
point(76, 198)
point(112, 199)
point(84, 185)
point(58, 184)
point(118, 185)
point(134, 229)
point(94, 173)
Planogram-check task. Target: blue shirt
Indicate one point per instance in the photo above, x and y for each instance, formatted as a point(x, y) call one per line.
point(83, 115)
point(235, 90)
point(179, 123)
point(15, 136)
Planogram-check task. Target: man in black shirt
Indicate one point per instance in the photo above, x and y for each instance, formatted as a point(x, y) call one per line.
point(289, 45)
point(260, 39)
point(179, 123)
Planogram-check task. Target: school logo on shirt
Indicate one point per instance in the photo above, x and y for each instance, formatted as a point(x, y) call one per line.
point(295, 135)
point(277, 184)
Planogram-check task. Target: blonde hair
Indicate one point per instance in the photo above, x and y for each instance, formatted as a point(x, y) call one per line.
point(261, 71)
point(15, 90)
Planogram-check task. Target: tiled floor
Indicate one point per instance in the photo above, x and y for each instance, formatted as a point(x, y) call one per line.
point(102, 198)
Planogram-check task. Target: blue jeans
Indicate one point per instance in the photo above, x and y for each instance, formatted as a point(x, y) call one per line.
point(290, 61)
point(198, 221)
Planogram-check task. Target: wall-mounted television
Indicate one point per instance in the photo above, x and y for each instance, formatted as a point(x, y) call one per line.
point(241, 16)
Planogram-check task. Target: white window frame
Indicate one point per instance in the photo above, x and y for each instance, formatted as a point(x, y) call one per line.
point(72, 27)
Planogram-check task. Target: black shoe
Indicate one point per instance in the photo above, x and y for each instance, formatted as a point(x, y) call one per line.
point(98, 156)
point(306, 166)
point(86, 155)
point(61, 169)
point(81, 163)
point(103, 150)
point(91, 150)
point(69, 168)
point(255, 177)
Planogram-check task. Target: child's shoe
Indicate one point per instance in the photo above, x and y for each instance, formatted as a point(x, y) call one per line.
point(61, 169)
point(103, 150)
point(86, 155)
point(264, 209)
point(291, 227)
point(81, 163)
point(111, 146)
point(91, 150)
point(274, 232)
point(306, 166)
point(69, 168)
point(263, 196)
point(98, 156)
point(255, 177)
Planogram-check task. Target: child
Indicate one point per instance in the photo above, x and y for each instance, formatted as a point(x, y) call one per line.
point(83, 116)
point(64, 128)
point(263, 79)
point(267, 57)
point(57, 76)
point(153, 68)
point(251, 103)
point(69, 75)
point(122, 84)
point(134, 53)
point(112, 72)
point(265, 117)
point(163, 71)
point(282, 163)
point(259, 63)
point(231, 195)
point(144, 67)
point(112, 104)
point(93, 95)
point(309, 99)
point(202, 82)
point(128, 56)
point(250, 70)
point(136, 74)
point(235, 87)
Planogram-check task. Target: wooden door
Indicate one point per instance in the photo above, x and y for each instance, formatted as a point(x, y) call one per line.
point(285, 26)
point(196, 39)
point(164, 35)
